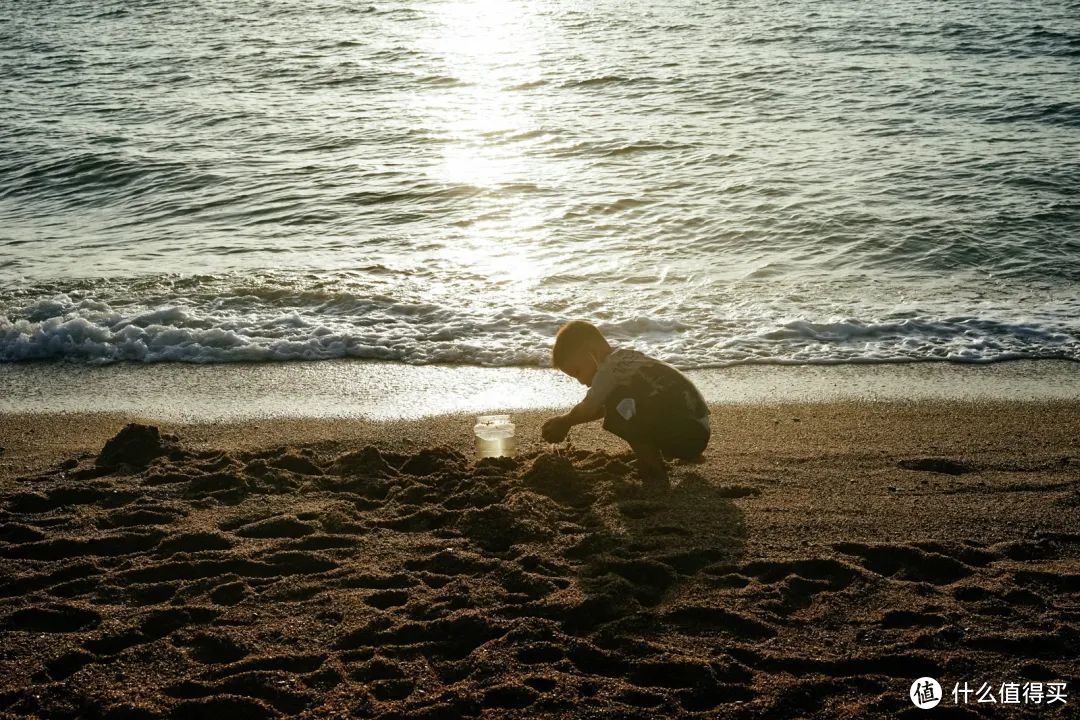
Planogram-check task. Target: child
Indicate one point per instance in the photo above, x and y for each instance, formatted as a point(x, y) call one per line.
point(646, 402)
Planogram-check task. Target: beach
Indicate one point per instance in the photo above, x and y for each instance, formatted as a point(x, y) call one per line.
point(820, 559)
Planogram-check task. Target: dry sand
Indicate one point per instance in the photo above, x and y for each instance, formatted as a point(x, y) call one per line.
point(819, 560)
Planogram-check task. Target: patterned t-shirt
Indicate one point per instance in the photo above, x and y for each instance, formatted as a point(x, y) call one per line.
point(623, 365)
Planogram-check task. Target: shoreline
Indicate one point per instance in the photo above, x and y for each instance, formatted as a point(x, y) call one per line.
point(377, 390)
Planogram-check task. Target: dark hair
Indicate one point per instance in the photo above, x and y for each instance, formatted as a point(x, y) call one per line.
point(572, 336)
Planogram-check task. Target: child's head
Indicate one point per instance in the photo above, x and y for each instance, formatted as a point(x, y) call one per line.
point(579, 348)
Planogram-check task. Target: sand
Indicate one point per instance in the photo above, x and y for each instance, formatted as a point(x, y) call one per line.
point(820, 559)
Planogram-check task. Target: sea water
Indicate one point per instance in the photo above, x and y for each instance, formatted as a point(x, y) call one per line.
point(446, 182)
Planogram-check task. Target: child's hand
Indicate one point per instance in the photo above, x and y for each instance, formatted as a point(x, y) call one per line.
point(555, 430)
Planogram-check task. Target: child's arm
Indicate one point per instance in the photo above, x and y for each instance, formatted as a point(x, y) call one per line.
point(555, 429)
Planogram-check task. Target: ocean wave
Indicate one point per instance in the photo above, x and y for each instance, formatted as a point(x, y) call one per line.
point(267, 327)
point(602, 80)
point(529, 85)
point(90, 177)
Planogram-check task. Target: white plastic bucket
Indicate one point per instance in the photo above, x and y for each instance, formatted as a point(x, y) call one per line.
point(494, 436)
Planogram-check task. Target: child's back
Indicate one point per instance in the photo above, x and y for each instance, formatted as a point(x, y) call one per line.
point(645, 401)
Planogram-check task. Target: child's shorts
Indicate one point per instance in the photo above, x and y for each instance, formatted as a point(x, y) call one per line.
point(665, 412)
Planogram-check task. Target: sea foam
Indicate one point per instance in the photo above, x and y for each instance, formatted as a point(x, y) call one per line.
point(252, 329)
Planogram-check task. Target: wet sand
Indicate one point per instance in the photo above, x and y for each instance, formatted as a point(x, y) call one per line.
point(377, 390)
point(820, 559)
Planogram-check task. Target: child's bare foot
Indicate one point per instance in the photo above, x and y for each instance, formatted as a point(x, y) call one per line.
point(651, 468)
point(656, 485)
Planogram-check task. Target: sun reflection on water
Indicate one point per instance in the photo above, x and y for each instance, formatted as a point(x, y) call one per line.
point(485, 47)
point(488, 47)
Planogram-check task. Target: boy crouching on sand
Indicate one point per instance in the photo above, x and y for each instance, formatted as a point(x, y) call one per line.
point(646, 402)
